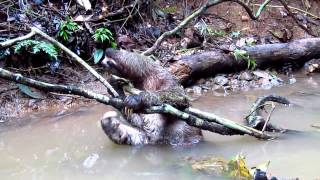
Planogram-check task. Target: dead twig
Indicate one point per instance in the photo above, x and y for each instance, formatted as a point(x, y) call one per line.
point(293, 8)
point(269, 117)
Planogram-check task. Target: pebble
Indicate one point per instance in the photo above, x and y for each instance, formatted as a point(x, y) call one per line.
point(221, 80)
point(246, 76)
point(197, 90)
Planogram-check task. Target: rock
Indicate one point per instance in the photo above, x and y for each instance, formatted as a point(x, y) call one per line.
point(197, 90)
point(244, 18)
point(221, 80)
point(292, 80)
point(90, 161)
point(234, 83)
point(265, 83)
point(275, 81)
point(262, 74)
point(246, 76)
point(209, 83)
point(244, 85)
point(204, 87)
point(189, 90)
point(215, 87)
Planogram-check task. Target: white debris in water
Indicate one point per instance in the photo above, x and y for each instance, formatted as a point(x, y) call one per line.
point(90, 161)
point(292, 80)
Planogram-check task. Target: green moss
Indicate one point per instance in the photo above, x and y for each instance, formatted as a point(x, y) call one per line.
point(170, 9)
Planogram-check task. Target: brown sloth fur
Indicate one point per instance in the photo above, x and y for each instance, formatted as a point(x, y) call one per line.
point(158, 86)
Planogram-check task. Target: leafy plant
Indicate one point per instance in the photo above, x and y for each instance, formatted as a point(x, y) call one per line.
point(97, 55)
point(236, 168)
point(206, 30)
point(67, 28)
point(242, 54)
point(36, 47)
point(170, 9)
point(103, 35)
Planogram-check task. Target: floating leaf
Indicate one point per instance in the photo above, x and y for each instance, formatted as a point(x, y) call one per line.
point(238, 168)
point(97, 55)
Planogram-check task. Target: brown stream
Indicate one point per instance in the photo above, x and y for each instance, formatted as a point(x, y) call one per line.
point(73, 146)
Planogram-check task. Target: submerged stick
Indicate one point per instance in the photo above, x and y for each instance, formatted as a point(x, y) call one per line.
point(269, 117)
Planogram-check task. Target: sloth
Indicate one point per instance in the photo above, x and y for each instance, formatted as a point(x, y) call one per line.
point(158, 86)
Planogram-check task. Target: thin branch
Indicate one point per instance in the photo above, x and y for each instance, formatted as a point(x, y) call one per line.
point(13, 41)
point(18, 78)
point(78, 59)
point(211, 3)
point(225, 122)
point(269, 117)
point(35, 31)
point(293, 8)
point(296, 20)
point(184, 23)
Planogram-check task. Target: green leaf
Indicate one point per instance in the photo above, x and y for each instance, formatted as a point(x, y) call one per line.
point(114, 45)
point(103, 35)
point(26, 90)
point(97, 55)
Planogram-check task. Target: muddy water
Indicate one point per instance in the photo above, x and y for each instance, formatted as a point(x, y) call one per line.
point(73, 146)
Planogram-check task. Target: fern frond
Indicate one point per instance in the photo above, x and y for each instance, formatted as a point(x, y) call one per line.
point(24, 45)
point(36, 47)
point(47, 48)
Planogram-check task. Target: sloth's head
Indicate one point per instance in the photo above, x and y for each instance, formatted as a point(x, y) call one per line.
point(126, 64)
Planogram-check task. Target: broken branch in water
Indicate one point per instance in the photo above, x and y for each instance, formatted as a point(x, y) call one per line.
point(198, 119)
point(35, 31)
point(255, 119)
point(269, 117)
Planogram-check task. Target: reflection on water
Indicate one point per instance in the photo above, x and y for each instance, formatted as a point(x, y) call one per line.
point(74, 146)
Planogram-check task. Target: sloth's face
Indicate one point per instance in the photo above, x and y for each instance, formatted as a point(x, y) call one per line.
point(111, 66)
point(111, 62)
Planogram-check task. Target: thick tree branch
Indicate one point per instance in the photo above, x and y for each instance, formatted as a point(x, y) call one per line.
point(200, 117)
point(207, 122)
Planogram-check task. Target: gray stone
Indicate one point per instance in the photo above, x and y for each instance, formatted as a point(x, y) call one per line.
point(221, 80)
point(246, 76)
point(197, 90)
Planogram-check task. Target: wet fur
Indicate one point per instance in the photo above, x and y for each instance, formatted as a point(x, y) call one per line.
point(155, 80)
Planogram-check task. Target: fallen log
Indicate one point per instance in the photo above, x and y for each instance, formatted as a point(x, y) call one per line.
point(210, 63)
